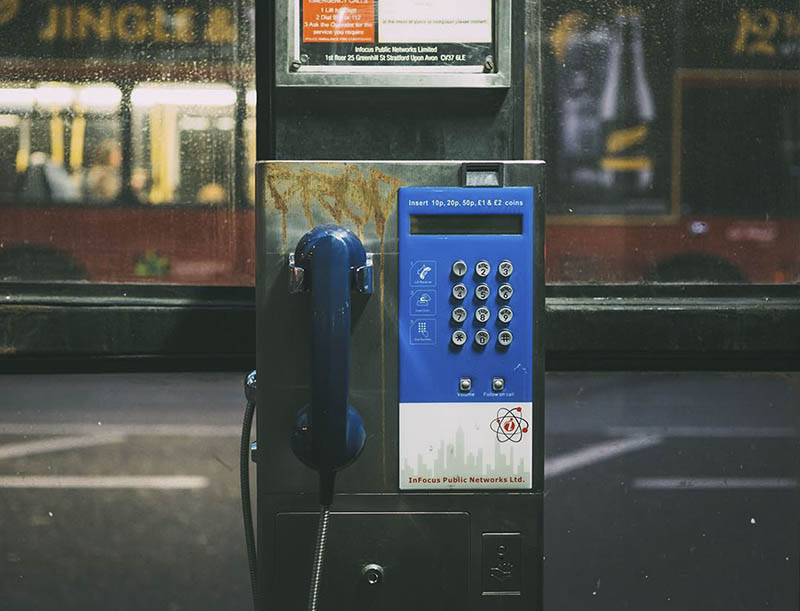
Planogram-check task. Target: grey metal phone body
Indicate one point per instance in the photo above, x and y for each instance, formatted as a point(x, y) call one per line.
point(389, 548)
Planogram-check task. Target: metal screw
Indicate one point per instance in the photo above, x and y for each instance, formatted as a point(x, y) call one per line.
point(295, 66)
point(488, 64)
point(304, 59)
point(373, 574)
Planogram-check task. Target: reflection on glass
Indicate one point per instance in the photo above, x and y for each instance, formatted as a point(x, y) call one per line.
point(676, 147)
point(127, 148)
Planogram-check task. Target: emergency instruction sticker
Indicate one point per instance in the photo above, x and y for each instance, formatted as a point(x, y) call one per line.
point(466, 446)
point(338, 21)
point(396, 33)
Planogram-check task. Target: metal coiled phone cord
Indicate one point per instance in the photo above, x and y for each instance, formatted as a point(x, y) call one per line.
point(319, 557)
point(247, 512)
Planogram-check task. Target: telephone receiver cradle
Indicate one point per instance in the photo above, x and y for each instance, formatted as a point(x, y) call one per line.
point(329, 263)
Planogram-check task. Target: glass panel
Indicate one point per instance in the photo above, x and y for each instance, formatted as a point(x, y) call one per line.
point(675, 143)
point(125, 131)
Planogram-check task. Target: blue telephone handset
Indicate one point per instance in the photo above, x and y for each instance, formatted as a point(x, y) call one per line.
point(329, 262)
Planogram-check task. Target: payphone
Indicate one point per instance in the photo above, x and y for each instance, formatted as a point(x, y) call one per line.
point(400, 309)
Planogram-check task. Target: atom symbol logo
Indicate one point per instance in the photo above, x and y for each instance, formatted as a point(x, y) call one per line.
point(509, 425)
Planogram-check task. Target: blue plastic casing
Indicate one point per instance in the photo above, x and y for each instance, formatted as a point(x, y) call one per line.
point(431, 366)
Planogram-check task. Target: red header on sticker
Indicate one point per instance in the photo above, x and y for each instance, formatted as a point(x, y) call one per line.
point(338, 20)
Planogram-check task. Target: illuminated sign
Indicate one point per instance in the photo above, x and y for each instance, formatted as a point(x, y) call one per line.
point(144, 29)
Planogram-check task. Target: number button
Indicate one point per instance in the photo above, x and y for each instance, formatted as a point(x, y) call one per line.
point(505, 269)
point(459, 337)
point(459, 315)
point(459, 268)
point(505, 338)
point(482, 315)
point(482, 269)
point(459, 291)
point(482, 337)
point(482, 292)
point(505, 291)
point(505, 315)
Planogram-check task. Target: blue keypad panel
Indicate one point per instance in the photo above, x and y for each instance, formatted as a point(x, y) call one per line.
point(466, 294)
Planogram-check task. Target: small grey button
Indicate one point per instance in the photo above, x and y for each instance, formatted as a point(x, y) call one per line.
point(498, 384)
point(465, 385)
point(505, 338)
point(505, 291)
point(459, 337)
point(505, 269)
point(505, 315)
point(459, 315)
point(482, 268)
point(459, 268)
point(482, 292)
point(459, 291)
point(482, 314)
point(482, 337)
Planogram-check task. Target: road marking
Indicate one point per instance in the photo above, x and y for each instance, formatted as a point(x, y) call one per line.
point(58, 444)
point(157, 430)
point(704, 431)
point(559, 465)
point(713, 483)
point(164, 482)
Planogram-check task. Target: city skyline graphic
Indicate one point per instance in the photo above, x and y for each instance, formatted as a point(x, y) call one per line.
point(450, 445)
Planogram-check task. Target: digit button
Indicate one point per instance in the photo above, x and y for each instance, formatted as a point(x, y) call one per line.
point(505, 315)
point(482, 292)
point(482, 314)
point(459, 268)
point(482, 337)
point(459, 315)
point(459, 291)
point(505, 291)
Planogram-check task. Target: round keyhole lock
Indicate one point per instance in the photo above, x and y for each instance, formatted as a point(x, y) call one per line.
point(372, 574)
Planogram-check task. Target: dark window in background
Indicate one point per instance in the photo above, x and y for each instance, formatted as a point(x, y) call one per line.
point(673, 146)
point(749, 134)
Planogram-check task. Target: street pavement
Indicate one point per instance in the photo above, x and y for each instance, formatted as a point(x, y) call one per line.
point(664, 491)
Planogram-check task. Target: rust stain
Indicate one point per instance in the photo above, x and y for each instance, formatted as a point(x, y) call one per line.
point(350, 195)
